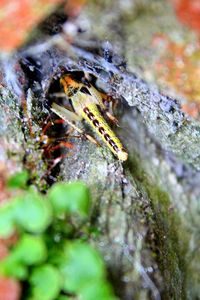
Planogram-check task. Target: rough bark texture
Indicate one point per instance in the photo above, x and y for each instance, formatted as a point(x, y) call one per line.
point(146, 210)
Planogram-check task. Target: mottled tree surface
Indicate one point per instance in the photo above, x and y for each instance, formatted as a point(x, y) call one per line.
point(146, 210)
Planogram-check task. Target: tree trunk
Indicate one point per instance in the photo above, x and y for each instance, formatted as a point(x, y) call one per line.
point(145, 210)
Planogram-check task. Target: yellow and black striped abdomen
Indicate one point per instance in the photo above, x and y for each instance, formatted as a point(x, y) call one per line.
point(92, 115)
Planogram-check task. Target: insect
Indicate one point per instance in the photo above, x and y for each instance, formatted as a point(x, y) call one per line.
point(87, 104)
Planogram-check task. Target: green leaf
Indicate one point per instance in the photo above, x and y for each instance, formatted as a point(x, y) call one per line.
point(32, 212)
point(6, 220)
point(45, 282)
point(97, 290)
point(30, 250)
point(11, 267)
point(18, 180)
point(70, 198)
point(81, 264)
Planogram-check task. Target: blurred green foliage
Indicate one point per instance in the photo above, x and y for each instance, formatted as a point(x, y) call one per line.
point(47, 256)
point(18, 180)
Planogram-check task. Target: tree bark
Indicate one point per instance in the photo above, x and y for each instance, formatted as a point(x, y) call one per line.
point(146, 210)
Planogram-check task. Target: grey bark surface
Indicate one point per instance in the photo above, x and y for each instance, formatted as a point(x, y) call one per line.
point(147, 209)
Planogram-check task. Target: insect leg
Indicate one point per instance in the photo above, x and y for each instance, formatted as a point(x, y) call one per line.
point(112, 118)
point(102, 103)
point(69, 117)
point(65, 114)
point(58, 95)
